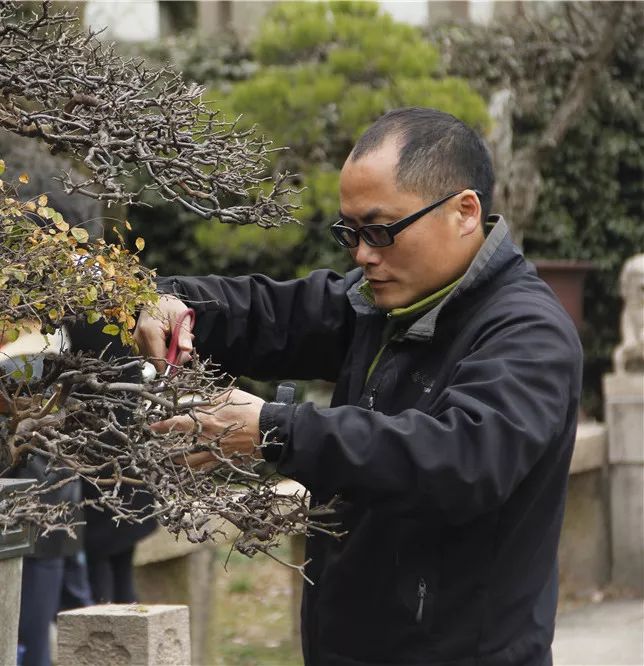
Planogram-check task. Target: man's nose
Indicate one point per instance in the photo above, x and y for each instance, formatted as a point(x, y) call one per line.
point(365, 255)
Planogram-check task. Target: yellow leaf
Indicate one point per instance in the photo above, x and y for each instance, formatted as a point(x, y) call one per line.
point(2, 167)
point(61, 224)
point(128, 226)
point(53, 314)
point(80, 234)
point(23, 178)
point(140, 243)
point(111, 329)
point(42, 200)
point(30, 206)
point(91, 294)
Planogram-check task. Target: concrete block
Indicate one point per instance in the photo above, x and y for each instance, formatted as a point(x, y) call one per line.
point(590, 451)
point(124, 635)
point(627, 526)
point(11, 577)
point(624, 404)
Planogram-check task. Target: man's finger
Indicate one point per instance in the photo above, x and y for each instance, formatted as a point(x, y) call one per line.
point(197, 460)
point(182, 423)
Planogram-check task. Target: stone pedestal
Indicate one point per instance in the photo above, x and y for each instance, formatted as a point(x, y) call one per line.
point(124, 635)
point(624, 404)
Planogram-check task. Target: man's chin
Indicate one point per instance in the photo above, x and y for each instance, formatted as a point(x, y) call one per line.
point(388, 302)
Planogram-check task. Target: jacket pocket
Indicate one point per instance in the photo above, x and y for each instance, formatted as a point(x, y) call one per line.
point(417, 574)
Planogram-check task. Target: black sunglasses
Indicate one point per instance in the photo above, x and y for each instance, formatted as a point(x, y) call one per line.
point(381, 235)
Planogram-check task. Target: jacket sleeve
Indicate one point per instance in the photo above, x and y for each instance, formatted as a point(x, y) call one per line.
point(265, 329)
point(504, 404)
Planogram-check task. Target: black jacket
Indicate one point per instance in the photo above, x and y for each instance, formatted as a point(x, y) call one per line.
point(451, 460)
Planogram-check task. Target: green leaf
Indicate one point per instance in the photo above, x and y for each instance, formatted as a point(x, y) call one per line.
point(2, 167)
point(12, 334)
point(28, 371)
point(111, 329)
point(93, 316)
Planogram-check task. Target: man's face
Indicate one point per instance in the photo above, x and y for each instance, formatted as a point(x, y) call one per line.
point(426, 256)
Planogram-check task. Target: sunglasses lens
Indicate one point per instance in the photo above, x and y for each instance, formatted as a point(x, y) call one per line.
point(376, 236)
point(345, 236)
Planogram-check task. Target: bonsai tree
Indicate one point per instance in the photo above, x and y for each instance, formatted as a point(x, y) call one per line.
point(117, 118)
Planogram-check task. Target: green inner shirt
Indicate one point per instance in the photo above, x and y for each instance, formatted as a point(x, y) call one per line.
point(399, 319)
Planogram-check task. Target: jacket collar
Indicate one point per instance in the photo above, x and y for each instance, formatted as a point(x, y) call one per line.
point(497, 252)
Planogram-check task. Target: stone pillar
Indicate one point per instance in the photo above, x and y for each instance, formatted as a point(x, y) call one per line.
point(10, 575)
point(14, 543)
point(624, 404)
point(127, 635)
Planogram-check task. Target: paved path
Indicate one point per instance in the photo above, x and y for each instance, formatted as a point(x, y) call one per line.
point(610, 633)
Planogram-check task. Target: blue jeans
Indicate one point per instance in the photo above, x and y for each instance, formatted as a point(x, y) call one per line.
point(48, 585)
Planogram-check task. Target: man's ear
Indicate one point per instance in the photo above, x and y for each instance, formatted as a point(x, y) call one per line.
point(469, 209)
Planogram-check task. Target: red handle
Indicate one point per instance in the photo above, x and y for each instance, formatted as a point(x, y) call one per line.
point(173, 349)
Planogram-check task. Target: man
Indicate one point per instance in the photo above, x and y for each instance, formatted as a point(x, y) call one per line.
point(451, 428)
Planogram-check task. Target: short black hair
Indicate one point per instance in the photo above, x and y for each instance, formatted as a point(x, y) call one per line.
point(439, 153)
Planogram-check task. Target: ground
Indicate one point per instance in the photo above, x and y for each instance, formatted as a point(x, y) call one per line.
point(253, 606)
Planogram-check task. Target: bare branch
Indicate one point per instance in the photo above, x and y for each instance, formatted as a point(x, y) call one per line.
point(122, 119)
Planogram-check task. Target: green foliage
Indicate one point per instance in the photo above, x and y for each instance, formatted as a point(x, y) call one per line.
point(590, 206)
point(326, 71)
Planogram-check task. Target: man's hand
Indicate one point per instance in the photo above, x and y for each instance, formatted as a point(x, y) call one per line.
point(155, 326)
point(236, 409)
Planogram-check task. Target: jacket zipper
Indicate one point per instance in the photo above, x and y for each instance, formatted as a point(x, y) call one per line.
point(421, 594)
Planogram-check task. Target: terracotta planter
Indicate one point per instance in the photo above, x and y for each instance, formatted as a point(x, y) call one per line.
point(566, 279)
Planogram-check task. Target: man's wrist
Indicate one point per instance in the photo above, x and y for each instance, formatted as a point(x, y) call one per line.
point(272, 420)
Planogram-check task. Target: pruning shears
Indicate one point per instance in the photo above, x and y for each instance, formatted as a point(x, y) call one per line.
point(188, 316)
point(173, 349)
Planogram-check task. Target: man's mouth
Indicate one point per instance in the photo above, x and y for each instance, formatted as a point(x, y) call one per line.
point(376, 283)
